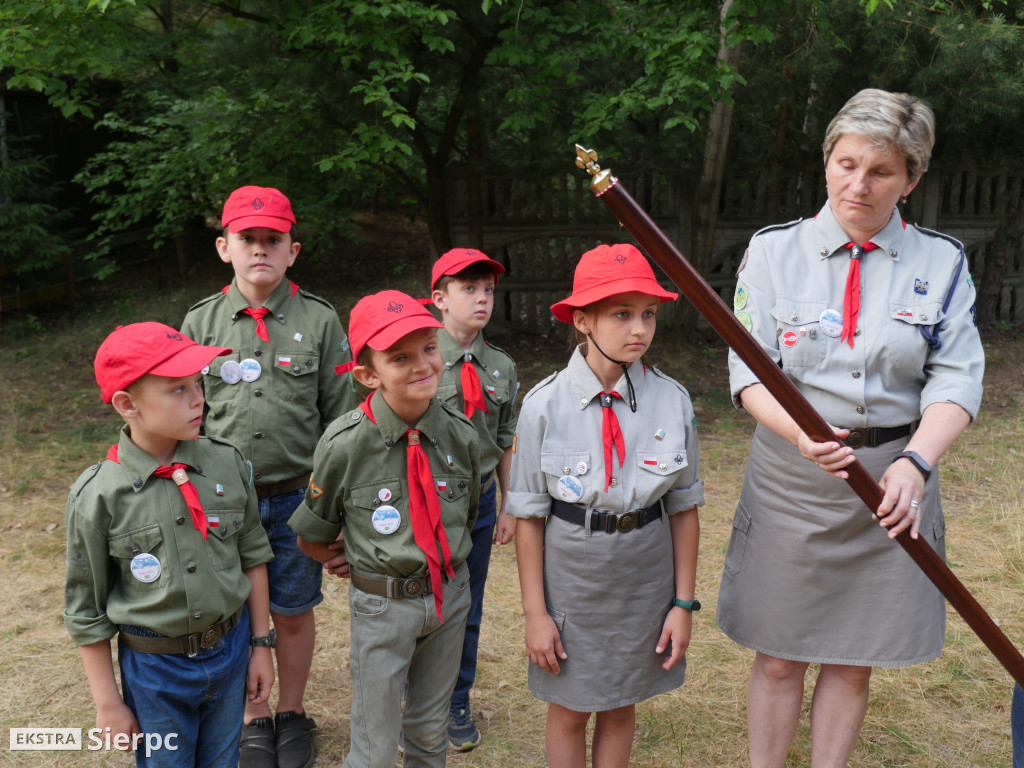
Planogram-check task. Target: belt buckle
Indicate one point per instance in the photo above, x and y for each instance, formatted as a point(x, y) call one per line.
point(626, 522)
point(209, 637)
point(193, 643)
point(412, 588)
point(857, 438)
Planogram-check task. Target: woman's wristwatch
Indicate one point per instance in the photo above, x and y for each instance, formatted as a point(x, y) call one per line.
point(922, 466)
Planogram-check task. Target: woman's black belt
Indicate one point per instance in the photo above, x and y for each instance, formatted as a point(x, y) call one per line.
point(872, 437)
point(609, 522)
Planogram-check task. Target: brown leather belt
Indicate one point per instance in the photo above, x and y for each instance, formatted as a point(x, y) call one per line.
point(389, 586)
point(609, 522)
point(190, 644)
point(263, 491)
point(872, 437)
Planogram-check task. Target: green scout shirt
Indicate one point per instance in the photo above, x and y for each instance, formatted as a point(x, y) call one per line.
point(360, 470)
point(497, 372)
point(117, 510)
point(276, 419)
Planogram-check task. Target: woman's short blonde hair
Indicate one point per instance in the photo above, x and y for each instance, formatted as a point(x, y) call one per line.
point(890, 121)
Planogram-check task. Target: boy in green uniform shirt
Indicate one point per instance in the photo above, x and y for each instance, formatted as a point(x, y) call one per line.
point(175, 569)
point(400, 476)
point(479, 379)
point(273, 398)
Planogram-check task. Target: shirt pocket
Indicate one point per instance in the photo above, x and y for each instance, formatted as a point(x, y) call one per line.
point(495, 391)
point(215, 389)
point(379, 503)
point(222, 527)
point(453, 488)
point(904, 344)
point(296, 376)
point(802, 342)
point(567, 474)
point(662, 462)
point(146, 574)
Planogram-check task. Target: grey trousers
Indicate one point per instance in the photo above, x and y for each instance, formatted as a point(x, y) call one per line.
point(394, 642)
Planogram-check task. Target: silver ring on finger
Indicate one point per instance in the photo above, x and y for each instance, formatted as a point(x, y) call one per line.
point(914, 504)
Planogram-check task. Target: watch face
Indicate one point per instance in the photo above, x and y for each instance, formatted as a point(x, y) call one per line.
point(696, 605)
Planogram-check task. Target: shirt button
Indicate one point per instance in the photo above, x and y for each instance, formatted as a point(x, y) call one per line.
point(860, 409)
point(857, 332)
point(893, 252)
point(566, 470)
point(924, 317)
point(448, 365)
point(662, 467)
point(296, 368)
point(614, 483)
point(389, 442)
point(258, 475)
point(258, 393)
point(137, 482)
point(793, 318)
point(258, 435)
point(856, 374)
point(258, 352)
point(197, 615)
point(199, 469)
point(179, 520)
point(191, 568)
point(823, 251)
point(583, 403)
point(281, 316)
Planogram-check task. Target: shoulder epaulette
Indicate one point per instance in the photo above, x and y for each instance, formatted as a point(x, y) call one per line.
point(307, 295)
point(455, 412)
point(343, 423)
point(772, 227)
point(933, 233)
point(664, 376)
point(85, 478)
point(223, 441)
point(207, 300)
point(540, 385)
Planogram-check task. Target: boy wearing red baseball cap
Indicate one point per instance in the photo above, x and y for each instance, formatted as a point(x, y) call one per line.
point(166, 551)
point(400, 476)
point(480, 380)
point(273, 398)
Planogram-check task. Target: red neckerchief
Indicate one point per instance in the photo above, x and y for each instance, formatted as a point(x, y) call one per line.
point(611, 435)
point(424, 509)
point(472, 391)
point(260, 313)
point(177, 473)
point(851, 298)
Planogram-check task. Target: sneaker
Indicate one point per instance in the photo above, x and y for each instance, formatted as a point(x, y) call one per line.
point(294, 741)
point(257, 747)
point(463, 734)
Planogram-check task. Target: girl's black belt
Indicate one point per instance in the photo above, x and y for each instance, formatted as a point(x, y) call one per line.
point(875, 436)
point(609, 522)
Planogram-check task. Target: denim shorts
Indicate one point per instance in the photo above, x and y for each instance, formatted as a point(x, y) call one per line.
point(293, 576)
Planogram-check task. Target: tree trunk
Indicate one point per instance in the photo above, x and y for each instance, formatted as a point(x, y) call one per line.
point(709, 189)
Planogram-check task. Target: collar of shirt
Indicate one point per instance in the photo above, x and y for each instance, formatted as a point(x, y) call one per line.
point(136, 463)
point(276, 302)
point(452, 353)
point(832, 237)
point(393, 428)
point(585, 384)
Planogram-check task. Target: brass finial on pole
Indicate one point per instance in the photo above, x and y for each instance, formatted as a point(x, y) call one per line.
point(603, 180)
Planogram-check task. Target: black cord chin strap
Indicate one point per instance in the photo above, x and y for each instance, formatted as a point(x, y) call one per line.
point(629, 384)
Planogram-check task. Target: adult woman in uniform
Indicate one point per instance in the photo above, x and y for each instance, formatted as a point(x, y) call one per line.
point(872, 319)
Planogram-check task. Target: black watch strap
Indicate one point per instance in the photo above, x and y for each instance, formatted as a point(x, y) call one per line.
point(922, 466)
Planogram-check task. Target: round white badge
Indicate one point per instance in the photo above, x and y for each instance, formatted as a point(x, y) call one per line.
point(251, 369)
point(569, 488)
point(386, 519)
point(145, 567)
point(231, 372)
point(384, 494)
point(831, 323)
point(581, 468)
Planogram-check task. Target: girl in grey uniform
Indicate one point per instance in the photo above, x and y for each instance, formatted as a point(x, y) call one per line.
point(872, 320)
point(604, 483)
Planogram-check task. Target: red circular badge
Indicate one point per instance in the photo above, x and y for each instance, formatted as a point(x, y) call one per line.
point(789, 339)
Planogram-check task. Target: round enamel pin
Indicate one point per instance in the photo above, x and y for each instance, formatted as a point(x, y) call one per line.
point(789, 339)
point(384, 494)
point(831, 323)
point(744, 319)
point(145, 567)
point(581, 468)
point(386, 519)
point(569, 488)
point(231, 372)
point(251, 369)
point(739, 299)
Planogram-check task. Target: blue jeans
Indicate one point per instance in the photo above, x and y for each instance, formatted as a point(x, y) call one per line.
point(479, 561)
point(1017, 726)
point(293, 577)
point(201, 699)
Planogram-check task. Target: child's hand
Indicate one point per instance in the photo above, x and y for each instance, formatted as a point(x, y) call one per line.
point(506, 529)
point(544, 644)
point(337, 565)
point(677, 628)
point(259, 677)
point(124, 728)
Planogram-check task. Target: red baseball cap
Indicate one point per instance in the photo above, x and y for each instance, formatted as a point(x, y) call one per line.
point(608, 270)
point(248, 207)
point(132, 351)
point(457, 259)
point(379, 320)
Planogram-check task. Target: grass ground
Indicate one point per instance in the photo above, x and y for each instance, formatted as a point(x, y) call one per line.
point(952, 712)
